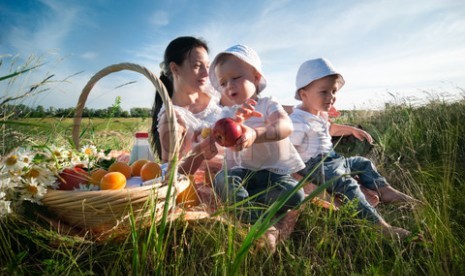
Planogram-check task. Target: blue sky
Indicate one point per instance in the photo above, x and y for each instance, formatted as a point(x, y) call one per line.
point(387, 50)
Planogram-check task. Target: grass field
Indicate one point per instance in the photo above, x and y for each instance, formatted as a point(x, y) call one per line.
point(421, 150)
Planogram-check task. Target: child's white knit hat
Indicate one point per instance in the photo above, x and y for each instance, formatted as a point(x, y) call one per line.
point(247, 55)
point(312, 70)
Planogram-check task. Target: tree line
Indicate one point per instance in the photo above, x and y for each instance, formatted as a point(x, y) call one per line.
point(24, 111)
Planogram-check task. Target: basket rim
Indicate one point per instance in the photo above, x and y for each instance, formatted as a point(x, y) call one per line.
point(159, 88)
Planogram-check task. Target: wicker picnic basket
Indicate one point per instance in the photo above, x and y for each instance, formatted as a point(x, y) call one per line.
point(110, 210)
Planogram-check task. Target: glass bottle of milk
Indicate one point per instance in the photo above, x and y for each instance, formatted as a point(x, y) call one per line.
point(141, 148)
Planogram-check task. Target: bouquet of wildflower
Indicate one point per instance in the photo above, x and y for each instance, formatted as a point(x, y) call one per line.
point(27, 173)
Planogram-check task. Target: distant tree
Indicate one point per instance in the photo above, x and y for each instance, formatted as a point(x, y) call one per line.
point(125, 114)
point(51, 111)
point(138, 112)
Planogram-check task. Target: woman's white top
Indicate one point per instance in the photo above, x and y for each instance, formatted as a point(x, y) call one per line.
point(202, 119)
point(311, 133)
point(278, 156)
point(194, 123)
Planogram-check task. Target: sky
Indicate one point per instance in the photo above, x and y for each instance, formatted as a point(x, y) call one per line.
point(390, 51)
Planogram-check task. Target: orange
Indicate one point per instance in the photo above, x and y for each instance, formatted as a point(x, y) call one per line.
point(113, 181)
point(96, 175)
point(150, 170)
point(137, 165)
point(188, 197)
point(121, 167)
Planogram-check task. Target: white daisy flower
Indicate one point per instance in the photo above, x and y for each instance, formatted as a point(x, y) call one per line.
point(43, 175)
point(89, 150)
point(87, 187)
point(72, 160)
point(5, 207)
point(12, 164)
point(59, 153)
point(102, 155)
point(33, 191)
point(25, 155)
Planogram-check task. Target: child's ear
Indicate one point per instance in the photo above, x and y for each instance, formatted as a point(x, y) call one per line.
point(258, 77)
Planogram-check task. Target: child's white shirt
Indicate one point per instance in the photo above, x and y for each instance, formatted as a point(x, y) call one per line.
point(278, 156)
point(311, 135)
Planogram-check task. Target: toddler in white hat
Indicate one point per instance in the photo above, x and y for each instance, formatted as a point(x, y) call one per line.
point(317, 83)
point(259, 167)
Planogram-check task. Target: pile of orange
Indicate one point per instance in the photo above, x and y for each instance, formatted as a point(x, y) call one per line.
point(119, 172)
point(137, 166)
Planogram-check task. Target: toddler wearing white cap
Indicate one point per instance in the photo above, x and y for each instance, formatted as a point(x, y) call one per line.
point(317, 83)
point(259, 168)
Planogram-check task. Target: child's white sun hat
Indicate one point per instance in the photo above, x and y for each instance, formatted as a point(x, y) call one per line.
point(312, 70)
point(244, 53)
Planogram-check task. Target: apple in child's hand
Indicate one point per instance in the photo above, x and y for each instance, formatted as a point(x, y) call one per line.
point(71, 178)
point(226, 132)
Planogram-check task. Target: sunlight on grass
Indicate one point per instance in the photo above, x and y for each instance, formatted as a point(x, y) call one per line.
point(419, 148)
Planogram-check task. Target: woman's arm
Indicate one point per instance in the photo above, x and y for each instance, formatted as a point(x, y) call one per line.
point(204, 150)
point(166, 137)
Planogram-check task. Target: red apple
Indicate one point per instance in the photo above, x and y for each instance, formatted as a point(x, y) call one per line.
point(226, 132)
point(71, 178)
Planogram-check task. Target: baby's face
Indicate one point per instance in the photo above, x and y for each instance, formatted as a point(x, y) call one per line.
point(238, 80)
point(320, 94)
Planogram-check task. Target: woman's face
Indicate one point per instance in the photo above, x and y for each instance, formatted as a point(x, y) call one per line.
point(192, 75)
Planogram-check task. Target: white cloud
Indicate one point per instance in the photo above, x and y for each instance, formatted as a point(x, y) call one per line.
point(47, 32)
point(160, 18)
point(89, 55)
point(380, 46)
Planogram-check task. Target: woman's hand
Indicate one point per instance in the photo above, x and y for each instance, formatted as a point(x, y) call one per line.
point(207, 147)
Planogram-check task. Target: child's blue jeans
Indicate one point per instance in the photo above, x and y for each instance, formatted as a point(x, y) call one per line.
point(340, 170)
point(252, 192)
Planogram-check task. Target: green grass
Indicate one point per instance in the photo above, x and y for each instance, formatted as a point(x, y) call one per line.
point(421, 151)
point(115, 133)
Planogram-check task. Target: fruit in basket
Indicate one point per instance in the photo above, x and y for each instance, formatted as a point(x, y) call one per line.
point(150, 170)
point(187, 194)
point(96, 175)
point(205, 132)
point(70, 178)
point(121, 167)
point(137, 165)
point(113, 181)
point(226, 132)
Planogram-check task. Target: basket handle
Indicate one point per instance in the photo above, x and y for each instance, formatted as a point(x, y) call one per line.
point(172, 125)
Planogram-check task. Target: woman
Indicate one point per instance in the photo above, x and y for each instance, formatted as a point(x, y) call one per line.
point(185, 76)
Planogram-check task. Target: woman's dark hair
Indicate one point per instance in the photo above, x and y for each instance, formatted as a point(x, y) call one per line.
point(177, 51)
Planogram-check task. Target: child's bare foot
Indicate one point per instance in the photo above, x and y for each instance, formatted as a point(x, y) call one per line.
point(280, 231)
point(269, 240)
point(399, 233)
point(390, 195)
point(395, 232)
